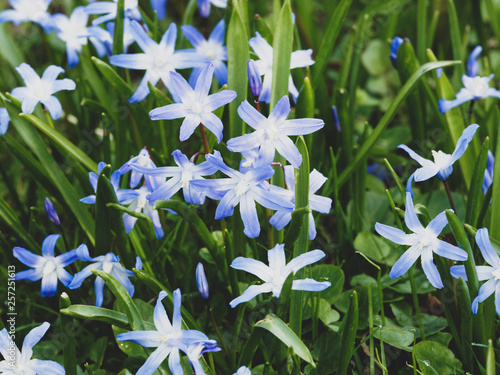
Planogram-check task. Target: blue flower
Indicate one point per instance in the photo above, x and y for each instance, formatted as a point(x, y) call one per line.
point(243, 370)
point(490, 273)
point(28, 10)
point(180, 178)
point(159, 6)
point(275, 275)
point(74, 32)
point(254, 80)
point(51, 212)
point(168, 338)
point(121, 194)
point(316, 203)
point(108, 263)
point(423, 242)
point(46, 267)
point(244, 189)
point(273, 133)
point(4, 120)
point(442, 166)
point(213, 48)
point(488, 173)
point(105, 37)
point(109, 9)
point(204, 6)
point(201, 281)
point(251, 159)
point(264, 51)
point(196, 105)
point(41, 89)
point(20, 362)
point(158, 60)
point(395, 44)
point(475, 88)
point(472, 64)
point(142, 160)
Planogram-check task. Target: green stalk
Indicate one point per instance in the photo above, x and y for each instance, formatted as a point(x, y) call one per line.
point(415, 302)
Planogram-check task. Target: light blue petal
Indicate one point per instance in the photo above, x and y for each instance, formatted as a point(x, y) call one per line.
point(137, 61)
point(463, 142)
point(430, 270)
point(271, 200)
point(280, 110)
point(302, 126)
point(53, 106)
point(221, 73)
point(288, 150)
point(169, 112)
point(63, 84)
point(253, 266)
point(27, 257)
point(249, 216)
point(49, 244)
point(144, 41)
point(472, 64)
point(31, 339)
point(129, 222)
point(458, 271)
point(301, 59)
point(90, 199)
point(188, 126)
point(64, 276)
point(165, 190)
point(160, 317)
point(4, 120)
point(28, 74)
point(143, 88)
point(174, 362)
point(28, 105)
point(392, 234)
point(304, 260)
point(250, 115)
point(33, 274)
point(83, 253)
point(182, 89)
point(449, 251)
point(99, 289)
point(51, 73)
point(192, 35)
point(250, 293)
point(154, 360)
point(243, 142)
point(79, 277)
point(176, 317)
point(217, 34)
point(168, 39)
point(49, 285)
point(420, 160)
point(489, 254)
point(411, 219)
point(148, 339)
point(47, 367)
point(320, 204)
point(214, 124)
point(204, 81)
point(404, 263)
point(219, 99)
point(497, 298)
point(226, 205)
point(484, 272)
point(486, 290)
point(310, 285)
point(438, 223)
point(67, 258)
point(463, 96)
point(424, 173)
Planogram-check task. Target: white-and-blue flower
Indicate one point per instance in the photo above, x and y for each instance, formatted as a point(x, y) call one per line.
point(157, 59)
point(244, 189)
point(18, 362)
point(108, 263)
point(168, 339)
point(316, 202)
point(141, 160)
point(41, 90)
point(205, 5)
point(213, 48)
point(275, 275)
point(490, 273)
point(442, 166)
point(423, 243)
point(196, 105)
point(28, 10)
point(264, 51)
point(47, 267)
point(272, 133)
point(109, 9)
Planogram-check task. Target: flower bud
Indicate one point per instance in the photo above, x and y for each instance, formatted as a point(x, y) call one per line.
point(138, 263)
point(204, 8)
point(395, 44)
point(51, 212)
point(336, 120)
point(201, 281)
point(472, 64)
point(254, 79)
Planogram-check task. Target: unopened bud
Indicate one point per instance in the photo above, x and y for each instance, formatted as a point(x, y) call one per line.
point(51, 212)
point(254, 79)
point(201, 281)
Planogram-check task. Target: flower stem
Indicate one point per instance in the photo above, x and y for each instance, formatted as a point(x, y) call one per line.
point(447, 187)
point(257, 103)
point(204, 138)
point(415, 303)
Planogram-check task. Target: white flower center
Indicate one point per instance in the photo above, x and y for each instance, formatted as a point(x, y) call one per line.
point(242, 187)
point(186, 176)
point(268, 132)
point(441, 159)
point(478, 86)
point(50, 266)
point(107, 266)
point(197, 108)
point(160, 62)
point(213, 50)
point(40, 89)
point(496, 274)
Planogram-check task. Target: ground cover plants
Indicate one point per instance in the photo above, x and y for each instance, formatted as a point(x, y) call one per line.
point(249, 187)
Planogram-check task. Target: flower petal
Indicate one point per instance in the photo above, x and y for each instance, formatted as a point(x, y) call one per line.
point(192, 35)
point(463, 142)
point(154, 360)
point(33, 274)
point(160, 317)
point(31, 339)
point(27, 257)
point(250, 115)
point(169, 112)
point(49, 244)
point(250, 293)
point(458, 271)
point(252, 266)
point(280, 110)
point(489, 254)
point(430, 269)
point(404, 263)
point(411, 219)
point(53, 106)
point(51, 73)
point(248, 213)
point(99, 289)
point(148, 339)
point(392, 234)
point(49, 284)
point(438, 223)
point(310, 285)
point(449, 251)
point(486, 290)
point(28, 74)
point(304, 260)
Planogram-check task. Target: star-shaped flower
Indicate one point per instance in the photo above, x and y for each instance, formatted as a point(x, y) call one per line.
point(142, 160)
point(28, 10)
point(490, 273)
point(47, 267)
point(41, 89)
point(264, 51)
point(423, 242)
point(243, 189)
point(196, 105)
point(157, 59)
point(316, 202)
point(168, 338)
point(442, 166)
point(109, 9)
point(273, 133)
point(275, 275)
point(17, 362)
point(213, 48)
point(108, 263)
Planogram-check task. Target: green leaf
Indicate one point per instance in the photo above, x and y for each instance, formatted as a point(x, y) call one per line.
point(9, 217)
point(475, 196)
point(376, 248)
point(282, 51)
point(434, 358)
point(119, 27)
point(333, 274)
point(328, 42)
point(349, 328)
point(134, 317)
point(395, 337)
point(103, 221)
point(278, 328)
point(112, 76)
point(97, 313)
point(9, 51)
point(456, 39)
point(490, 359)
point(388, 116)
point(328, 315)
point(69, 350)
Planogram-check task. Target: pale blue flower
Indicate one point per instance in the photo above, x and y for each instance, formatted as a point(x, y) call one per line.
point(442, 166)
point(204, 6)
point(109, 9)
point(168, 338)
point(108, 263)
point(121, 194)
point(74, 32)
point(201, 281)
point(395, 44)
point(243, 189)
point(472, 64)
point(490, 273)
point(252, 159)
point(213, 48)
point(196, 105)
point(4, 120)
point(41, 89)
point(160, 7)
point(423, 242)
point(180, 178)
point(142, 160)
point(488, 173)
point(243, 370)
point(272, 133)
point(264, 51)
point(157, 59)
point(51, 212)
point(254, 80)
point(18, 362)
point(47, 267)
point(275, 275)
point(105, 37)
point(316, 202)
point(28, 10)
